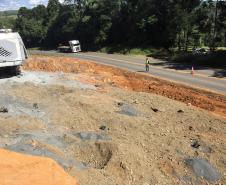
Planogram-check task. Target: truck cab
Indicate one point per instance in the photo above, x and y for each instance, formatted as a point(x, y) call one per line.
point(75, 46)
point(12, 51)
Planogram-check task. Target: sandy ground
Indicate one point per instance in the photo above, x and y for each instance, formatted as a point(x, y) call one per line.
point(103, 134)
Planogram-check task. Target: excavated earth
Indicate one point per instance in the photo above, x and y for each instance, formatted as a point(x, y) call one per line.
point(107, 126)
point(99, 74)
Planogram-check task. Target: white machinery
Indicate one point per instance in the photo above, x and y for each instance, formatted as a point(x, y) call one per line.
point(74, 47)
point(12, 51)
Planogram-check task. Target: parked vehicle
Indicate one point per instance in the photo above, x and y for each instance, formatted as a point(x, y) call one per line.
point(199, 51)
point(73, 47)
point(12, 51)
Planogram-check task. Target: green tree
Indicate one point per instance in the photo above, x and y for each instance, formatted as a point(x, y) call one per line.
point(126, 23)
point(53, 9)
point(30, 24)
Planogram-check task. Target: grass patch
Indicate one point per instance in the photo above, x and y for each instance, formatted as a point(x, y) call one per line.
point(221, 48)
point(132, 51)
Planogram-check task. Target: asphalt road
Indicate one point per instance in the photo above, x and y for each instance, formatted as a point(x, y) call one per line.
point(201, 79)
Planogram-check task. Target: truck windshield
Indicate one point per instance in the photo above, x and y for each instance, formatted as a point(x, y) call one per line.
point(76, 44)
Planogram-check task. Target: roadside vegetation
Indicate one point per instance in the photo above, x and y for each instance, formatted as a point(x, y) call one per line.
point(7, 19)
point(125, 23)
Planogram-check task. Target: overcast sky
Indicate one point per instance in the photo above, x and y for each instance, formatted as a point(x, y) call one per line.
point(16, 4)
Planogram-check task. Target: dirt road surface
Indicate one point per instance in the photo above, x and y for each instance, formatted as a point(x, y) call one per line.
point(107, 126)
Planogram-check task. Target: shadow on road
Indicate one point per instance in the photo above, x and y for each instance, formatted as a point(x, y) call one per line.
point(179, 66)
point(211, 61)
point(141, 71)
point(220, 74)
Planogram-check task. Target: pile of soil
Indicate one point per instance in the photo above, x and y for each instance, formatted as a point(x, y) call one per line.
point(22, 169)
point(99, 74)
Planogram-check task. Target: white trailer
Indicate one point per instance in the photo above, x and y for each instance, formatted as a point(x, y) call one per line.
point(12, 51)
point(74, 47)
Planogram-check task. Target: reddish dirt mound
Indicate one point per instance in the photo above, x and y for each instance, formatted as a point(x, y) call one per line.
point(18, 169)
point(97, 73)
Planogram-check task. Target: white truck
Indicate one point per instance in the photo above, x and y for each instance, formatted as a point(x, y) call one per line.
point(73, 47)
point(12, 51)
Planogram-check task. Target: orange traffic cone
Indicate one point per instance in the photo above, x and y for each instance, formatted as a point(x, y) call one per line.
point(192, 70)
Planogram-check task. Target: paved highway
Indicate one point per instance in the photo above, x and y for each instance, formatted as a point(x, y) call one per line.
point(202, 78)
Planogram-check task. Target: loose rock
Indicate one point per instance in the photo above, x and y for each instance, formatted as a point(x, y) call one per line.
point(35, 106)
point(97, 85)
point(120, 104)
point(4, 110)
point(195, 144)
point(180, 111)
point(102, 127)
point(122, 165)
point(155, 110)
point(190, 128)
point(136, 102)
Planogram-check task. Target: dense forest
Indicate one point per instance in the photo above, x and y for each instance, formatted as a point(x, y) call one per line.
point(180, 24)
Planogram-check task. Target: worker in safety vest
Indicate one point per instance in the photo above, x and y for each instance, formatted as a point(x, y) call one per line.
point(147, 63)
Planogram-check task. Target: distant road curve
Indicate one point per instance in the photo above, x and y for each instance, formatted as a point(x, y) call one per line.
point(136, 64)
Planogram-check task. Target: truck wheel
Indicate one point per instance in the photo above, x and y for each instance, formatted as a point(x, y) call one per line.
point(15, 70)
